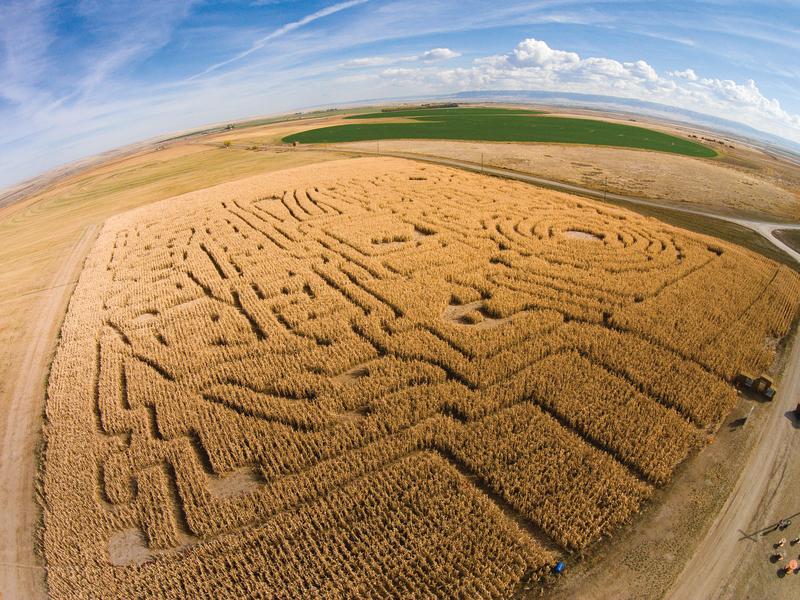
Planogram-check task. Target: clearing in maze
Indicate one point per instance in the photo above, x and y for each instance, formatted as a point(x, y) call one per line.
point(371, 378)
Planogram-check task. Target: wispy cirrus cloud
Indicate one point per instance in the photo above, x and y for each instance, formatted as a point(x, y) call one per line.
point(25, 37)
point(126, 32)
point(281, 31)
point(118, 34)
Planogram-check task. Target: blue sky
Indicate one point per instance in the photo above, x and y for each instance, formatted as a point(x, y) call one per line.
point(77, 78)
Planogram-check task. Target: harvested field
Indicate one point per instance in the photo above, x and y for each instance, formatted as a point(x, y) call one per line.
point(372, 378)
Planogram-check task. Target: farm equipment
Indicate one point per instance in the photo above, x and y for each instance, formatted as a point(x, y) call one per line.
point(762, 385)
point(745, 380)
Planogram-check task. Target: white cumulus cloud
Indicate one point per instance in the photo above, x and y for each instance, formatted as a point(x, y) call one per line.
point(686, 74)
point(534, 65)
point(536, 53)
point(429, 56)
point(438, 54)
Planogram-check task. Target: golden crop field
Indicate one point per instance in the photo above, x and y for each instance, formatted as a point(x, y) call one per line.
point(371, 378)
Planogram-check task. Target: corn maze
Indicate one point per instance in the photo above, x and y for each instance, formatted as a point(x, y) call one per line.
point(378, 379)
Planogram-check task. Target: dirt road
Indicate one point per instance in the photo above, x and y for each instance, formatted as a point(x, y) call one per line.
point(719, 554)
point(21, 574)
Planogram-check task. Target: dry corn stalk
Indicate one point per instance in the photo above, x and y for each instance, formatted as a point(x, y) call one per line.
point(358, 381)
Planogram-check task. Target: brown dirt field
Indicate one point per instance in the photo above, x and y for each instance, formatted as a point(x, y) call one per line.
point(733, 151)
point(671, 179)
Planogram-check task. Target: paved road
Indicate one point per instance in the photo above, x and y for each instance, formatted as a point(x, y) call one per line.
point(720, 553)
point(768, 231)
point(21, 574)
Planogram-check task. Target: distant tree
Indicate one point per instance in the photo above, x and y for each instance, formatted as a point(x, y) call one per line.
point(227, 143)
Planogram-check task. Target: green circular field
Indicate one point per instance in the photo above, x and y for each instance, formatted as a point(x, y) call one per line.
point(499, 125)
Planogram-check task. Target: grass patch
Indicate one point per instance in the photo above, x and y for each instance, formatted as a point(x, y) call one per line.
point(499, 125)
point(790, 237)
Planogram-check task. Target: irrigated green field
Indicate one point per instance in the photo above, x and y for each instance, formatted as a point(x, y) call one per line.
point(499, 125)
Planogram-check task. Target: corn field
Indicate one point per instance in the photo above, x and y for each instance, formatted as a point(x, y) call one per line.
point(374, 379)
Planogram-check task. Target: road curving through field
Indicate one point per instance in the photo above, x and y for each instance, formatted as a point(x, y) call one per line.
point(763, 228)
point(766, 229)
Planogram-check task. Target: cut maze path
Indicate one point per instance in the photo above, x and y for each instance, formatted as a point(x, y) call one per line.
point(273, 308)
point(764, 228)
